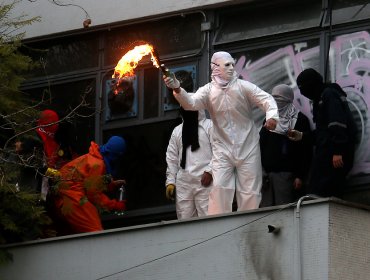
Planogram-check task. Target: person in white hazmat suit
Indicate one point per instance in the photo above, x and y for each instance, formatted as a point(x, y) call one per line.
point(236, 162)
point(188, 157)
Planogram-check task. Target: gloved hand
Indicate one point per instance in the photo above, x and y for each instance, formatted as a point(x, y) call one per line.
point(120, 205)
point(52, 173)
point(171, 81)
point(170, 191)
point(295, 135)
point(114, 184)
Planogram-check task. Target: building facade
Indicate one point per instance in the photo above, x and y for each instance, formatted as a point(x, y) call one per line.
point(272, 42)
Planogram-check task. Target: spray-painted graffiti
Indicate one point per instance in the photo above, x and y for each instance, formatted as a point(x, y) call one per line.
point(349, 66)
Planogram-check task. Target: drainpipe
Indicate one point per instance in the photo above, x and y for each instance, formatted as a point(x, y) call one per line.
point(299, 275)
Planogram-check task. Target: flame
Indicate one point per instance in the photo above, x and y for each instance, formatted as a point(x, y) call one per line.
point(128, 62)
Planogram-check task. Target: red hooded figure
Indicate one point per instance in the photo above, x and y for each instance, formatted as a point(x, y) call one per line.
point(47, 127)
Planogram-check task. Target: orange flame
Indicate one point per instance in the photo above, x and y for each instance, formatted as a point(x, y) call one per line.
point(128, 62)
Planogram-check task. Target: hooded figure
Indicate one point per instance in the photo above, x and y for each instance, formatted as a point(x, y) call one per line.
point(285, 162)
point(112, 151)
point(58, 147)
point(288, 113)
point(47, 127)
point(236, 162)
point(189, 171)
point(188, 158)
point(334, 136)
point(83, 183)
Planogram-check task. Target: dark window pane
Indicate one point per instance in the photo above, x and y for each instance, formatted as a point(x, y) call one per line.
point(65, 55)
point(151, 93)
point(169, 36)
point(144, 165)
point(66, 97)
point(121, 100)
point(349, 65)
point(349, 10)
point(187, 77)
point(248, 23)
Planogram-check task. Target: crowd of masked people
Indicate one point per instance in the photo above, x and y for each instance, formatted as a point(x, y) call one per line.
point(215, 164)
point(252, 167)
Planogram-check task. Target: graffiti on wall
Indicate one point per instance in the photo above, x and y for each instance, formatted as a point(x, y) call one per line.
point(349, 66)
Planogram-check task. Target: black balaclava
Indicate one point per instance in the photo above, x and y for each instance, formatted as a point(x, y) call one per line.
point(310, 84)
point(189, 133)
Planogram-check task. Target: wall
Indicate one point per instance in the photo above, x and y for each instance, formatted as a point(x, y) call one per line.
point(235, 246)
point(71, 14)
point(349, 256)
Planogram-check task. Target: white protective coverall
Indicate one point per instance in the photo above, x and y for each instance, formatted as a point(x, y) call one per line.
point(236, 163)
point(191, 196)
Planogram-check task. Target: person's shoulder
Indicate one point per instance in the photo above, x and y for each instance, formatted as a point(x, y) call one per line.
point(333, 91)
point(177, 129)
point(302, 116)
point(246, 84)
point(303, 121)
point(205, 88)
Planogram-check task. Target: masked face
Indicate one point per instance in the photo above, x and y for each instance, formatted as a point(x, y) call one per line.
point(310, 83)
point(227, 70)
point(222, 65)
point(283, 95)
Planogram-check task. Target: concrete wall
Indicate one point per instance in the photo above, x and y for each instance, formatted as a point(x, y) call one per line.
point(236, 246)
point(55, 19)
point(349, 244)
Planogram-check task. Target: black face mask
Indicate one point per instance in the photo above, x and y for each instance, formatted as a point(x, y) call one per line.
point(189, 133)
point(310, 84)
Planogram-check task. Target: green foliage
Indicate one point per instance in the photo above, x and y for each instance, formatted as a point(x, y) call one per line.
point(13, 67)
point(22, 216)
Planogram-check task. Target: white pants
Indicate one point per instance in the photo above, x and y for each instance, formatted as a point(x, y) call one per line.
point(240, 177)
point(191, 198)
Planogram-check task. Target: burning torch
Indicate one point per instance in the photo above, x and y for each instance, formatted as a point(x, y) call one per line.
point(127, 64)
point(164, 69)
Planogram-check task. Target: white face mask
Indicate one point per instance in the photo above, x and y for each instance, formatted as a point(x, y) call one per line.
point(227, 69)
point(222, 65)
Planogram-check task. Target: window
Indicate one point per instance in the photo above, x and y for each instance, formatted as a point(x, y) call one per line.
point(268, 67)
point(349, 67)
point(174, 36)
point(121, 99)
point(64, 55)
point(252, 22)
point(346, 11)
point(187, 77)
point(67, 96)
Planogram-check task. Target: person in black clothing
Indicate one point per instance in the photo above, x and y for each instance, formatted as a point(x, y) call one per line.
point(334, 135)
point(285, 162)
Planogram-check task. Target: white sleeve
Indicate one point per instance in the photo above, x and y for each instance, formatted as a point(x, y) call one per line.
point(262, 99)
point(207, 124)
point(173, 155)
point(193, 101)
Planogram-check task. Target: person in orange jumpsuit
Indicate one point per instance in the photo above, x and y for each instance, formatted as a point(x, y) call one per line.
point(83, 183)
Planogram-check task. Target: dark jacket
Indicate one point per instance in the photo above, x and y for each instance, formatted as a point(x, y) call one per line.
point(335, 128)
point(279, 154)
